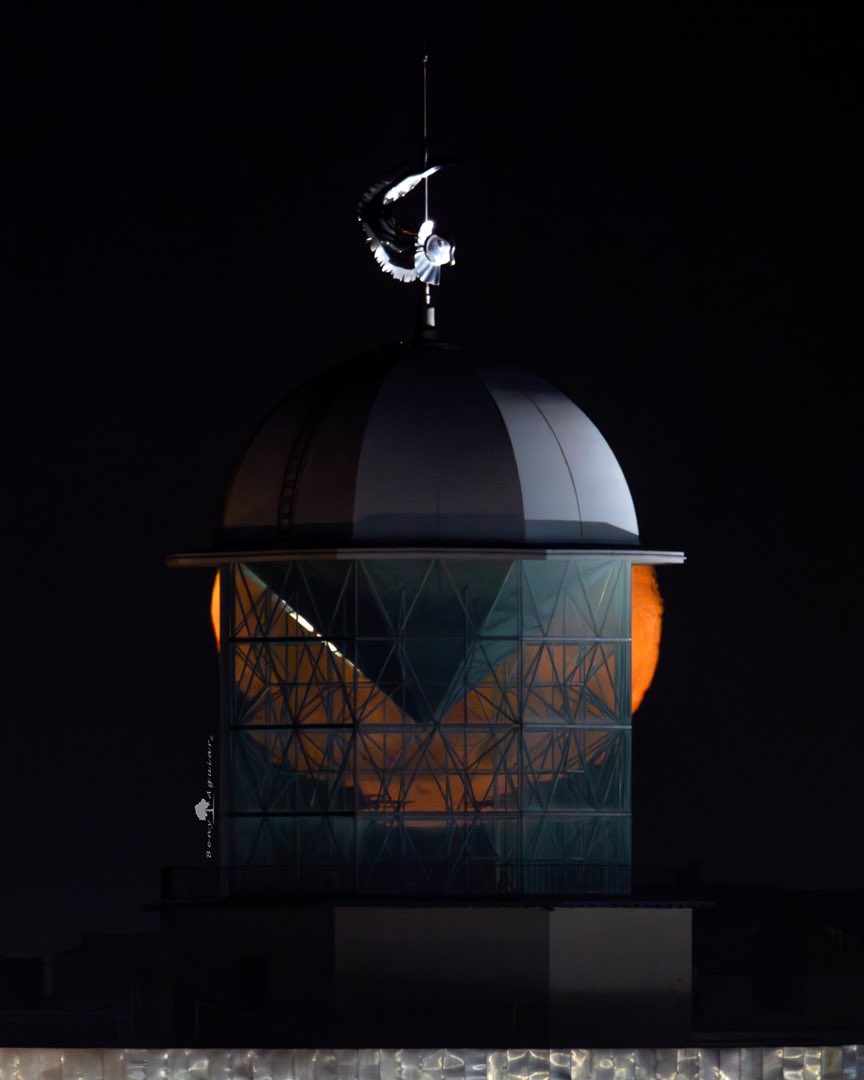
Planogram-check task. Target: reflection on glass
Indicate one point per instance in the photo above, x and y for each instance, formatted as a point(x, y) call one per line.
point(442, 724)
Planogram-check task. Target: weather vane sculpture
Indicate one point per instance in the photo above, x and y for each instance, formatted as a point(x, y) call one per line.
point(407, 255)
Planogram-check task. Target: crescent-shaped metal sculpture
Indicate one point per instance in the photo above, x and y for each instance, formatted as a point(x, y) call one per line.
point(405, 254)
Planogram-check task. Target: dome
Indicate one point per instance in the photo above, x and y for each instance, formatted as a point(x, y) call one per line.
point(416, 445)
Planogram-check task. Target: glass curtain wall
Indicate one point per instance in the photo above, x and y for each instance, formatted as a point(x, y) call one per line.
point(440, 726)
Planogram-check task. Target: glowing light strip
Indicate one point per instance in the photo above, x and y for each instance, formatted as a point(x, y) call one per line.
point(304, 622)
point(215, 604)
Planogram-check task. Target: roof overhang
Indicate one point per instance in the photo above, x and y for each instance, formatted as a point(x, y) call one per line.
point(225, 558)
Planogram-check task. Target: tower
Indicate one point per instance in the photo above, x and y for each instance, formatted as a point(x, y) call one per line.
point(425, 613)
point(423, 606)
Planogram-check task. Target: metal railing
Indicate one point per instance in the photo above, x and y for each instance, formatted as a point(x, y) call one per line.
point(433, 879)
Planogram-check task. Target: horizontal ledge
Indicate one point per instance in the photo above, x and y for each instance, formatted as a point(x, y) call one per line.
point(277, 555)
point(457, 817)
point(504, 727)
point(531, 640)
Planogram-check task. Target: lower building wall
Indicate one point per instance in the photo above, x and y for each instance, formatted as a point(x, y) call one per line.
point(615, 970)
point(427, 976)
point(439, 972)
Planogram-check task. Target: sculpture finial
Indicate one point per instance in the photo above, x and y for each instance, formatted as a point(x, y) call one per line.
point(407, 254)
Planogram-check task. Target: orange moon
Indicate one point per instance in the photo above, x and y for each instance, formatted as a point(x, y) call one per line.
point(646, 623)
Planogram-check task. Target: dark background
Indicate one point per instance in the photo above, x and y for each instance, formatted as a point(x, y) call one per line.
point(661, 215)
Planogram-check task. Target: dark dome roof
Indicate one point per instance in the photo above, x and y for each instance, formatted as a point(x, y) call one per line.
point(415, 445)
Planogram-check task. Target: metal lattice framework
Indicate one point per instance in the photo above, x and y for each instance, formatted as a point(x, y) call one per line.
point(428, 726)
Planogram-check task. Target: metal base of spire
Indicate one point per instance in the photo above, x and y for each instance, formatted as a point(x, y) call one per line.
point(424, 329)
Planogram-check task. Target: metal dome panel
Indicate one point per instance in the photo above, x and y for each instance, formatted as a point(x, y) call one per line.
point(436, 462)
point(415, 445)
point(574, 488)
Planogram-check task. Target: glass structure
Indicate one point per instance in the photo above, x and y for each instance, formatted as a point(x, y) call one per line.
point(426, 726)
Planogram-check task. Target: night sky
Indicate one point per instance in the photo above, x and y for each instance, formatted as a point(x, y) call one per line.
point(660, 216)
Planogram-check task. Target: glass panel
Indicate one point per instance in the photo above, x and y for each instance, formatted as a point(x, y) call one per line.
point(292, 769)
point(468, 719)
point(575, 598)
point(575, 683)
point(576, 769)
